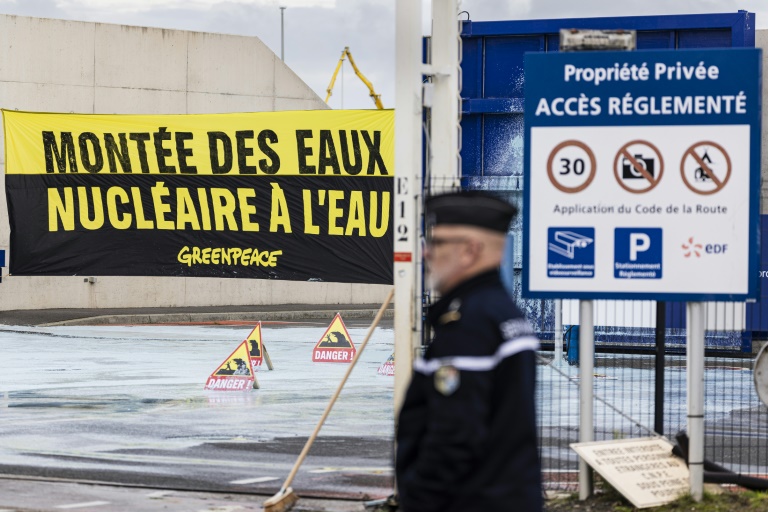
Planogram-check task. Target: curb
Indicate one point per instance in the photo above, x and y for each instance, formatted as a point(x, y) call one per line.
point(253, 316)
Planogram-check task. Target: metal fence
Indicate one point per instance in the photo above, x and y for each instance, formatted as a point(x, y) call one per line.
point(627, 363)
point(626, 393)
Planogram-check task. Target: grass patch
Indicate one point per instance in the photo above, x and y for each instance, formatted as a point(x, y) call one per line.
point(609, 500)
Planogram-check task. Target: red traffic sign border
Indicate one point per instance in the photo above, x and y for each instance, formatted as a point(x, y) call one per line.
point(592, 160)
point(690, 152)
point(622, 151)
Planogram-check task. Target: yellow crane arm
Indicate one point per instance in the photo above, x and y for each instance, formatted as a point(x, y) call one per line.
point(376, 97)
point(335, 72)
point(346, 53)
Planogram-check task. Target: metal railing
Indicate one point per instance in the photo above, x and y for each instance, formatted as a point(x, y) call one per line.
point(625, 388)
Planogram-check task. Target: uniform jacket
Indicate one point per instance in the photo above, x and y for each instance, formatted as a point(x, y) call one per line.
point(467, 429)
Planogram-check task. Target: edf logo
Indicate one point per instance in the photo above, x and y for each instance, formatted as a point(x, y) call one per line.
point(692, 248)
point(637, 253)
point(715, 248)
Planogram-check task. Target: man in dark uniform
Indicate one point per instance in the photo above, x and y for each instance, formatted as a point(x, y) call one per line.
point(466, 437)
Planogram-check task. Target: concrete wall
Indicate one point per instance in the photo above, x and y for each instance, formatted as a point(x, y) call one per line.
point(65, 66)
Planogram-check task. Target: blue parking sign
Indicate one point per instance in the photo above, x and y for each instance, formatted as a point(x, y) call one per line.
point(637, 253)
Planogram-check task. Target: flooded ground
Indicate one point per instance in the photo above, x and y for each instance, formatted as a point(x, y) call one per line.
point(125, 404)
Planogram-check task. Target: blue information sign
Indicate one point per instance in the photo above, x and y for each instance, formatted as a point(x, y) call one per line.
point(642, 175)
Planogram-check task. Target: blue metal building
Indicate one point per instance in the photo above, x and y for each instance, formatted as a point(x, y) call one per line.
point(493, 88)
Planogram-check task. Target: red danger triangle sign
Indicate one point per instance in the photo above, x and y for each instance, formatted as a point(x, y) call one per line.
point(335, 346)
point(255, 347)
point(388, 366)
point(235, 373)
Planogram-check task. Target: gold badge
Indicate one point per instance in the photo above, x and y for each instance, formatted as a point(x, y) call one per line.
point(447, 380)
point(452, 315)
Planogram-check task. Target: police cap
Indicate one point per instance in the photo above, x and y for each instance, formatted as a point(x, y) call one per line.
point(469, 208)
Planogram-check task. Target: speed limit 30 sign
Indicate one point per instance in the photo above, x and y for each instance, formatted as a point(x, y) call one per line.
point(571, 166)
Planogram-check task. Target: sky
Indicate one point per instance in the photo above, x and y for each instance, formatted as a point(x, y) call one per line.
point(316, 31)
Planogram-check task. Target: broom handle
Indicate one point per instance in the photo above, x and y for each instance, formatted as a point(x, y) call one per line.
point(311, 439)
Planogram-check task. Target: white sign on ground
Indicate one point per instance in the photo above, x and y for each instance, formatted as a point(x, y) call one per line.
point(643, 470)
point(642, 175)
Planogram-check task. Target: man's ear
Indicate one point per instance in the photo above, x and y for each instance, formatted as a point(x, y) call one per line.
point(474, 249)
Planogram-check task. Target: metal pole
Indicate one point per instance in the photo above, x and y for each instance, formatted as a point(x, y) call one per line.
point(695, 381)
point(282, 34)
point(661, 328)
point(444, 168)
point(408, 186)
point(558, 360)
point(586, 393)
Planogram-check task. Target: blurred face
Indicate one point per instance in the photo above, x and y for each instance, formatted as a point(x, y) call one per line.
point(448, 255)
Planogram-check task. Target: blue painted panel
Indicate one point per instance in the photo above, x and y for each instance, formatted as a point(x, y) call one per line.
point(504, 64)
point(503, 145)
point(472, 145)
point(656, 39)
point(743, 31)
point(704, 38)
point(472, 68)
point(553, 42)
point(757, 313)
point(675, 315)
point(733, 21)
point(492, 105)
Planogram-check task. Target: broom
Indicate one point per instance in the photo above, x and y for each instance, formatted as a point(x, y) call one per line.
point(285, 498)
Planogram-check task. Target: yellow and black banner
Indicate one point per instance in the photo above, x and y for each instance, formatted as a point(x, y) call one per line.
point(301, 195)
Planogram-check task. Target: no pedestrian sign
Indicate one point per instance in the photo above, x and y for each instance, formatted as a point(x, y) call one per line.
point(631, 160)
